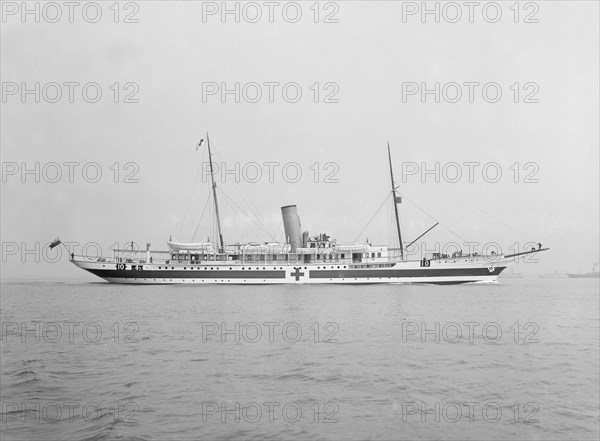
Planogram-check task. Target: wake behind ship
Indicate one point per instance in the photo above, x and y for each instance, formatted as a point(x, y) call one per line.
point(302, 259)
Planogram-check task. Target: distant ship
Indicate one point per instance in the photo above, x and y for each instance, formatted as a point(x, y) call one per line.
point(592, 275)
point(554, 275)
point(303, 259)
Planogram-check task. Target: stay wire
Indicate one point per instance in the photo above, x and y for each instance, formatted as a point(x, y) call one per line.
point(434, 218)
point(231, 201)
point(468, 202)
point(371, 220)
point(201, 217)
point(199, 167)
point(246, 199)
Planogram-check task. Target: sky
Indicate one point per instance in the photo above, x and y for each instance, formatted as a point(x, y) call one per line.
point(492, 120)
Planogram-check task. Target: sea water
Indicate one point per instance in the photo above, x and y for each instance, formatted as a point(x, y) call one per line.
point(513, 360)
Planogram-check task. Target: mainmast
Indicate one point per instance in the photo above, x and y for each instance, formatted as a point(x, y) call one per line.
point(214, 190)
point(396, 202)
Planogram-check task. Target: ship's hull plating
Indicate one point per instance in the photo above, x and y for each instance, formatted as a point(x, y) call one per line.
point(402, 272)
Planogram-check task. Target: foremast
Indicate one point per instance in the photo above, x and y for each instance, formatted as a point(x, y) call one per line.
point(396, 201)
point(214, 191)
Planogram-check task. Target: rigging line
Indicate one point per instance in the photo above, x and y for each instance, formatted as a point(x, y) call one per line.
point(476, 207)
point(243, 212)
point(372, 217)
point(254, 211)
point(401, 226)
point(390, 220)
point(193, 187)
point(247, 200)
point(486, 213)
point(201, 217)
point(233, 205)
point(211, 213)
point(278, 227)
point(435, 219)
point(210, 219)
point(252, 208)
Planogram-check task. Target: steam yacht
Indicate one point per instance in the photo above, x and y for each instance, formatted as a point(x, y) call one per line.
point(303, 258)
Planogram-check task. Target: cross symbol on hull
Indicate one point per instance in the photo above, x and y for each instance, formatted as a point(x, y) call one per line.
point(297, 274)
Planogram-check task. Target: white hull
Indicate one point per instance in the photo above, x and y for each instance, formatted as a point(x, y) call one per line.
point(399, 281)
point(438, 272)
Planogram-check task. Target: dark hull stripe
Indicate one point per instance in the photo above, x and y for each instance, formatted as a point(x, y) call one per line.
point(396, 273)
point(192, 274)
